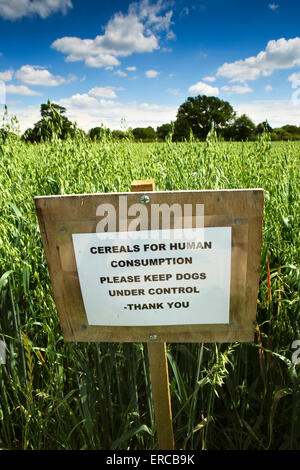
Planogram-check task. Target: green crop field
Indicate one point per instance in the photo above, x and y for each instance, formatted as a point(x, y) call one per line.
point(55, 395)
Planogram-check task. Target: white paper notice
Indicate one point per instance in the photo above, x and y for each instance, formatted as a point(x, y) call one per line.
point(155, 280)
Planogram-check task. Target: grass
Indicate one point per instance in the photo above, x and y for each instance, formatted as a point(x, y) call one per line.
point(55, 395)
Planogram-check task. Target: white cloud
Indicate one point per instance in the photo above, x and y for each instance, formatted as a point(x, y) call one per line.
point(36, 75)
point(277, 113)
point(201, 88)
point(268, 88)
point(237, 89)
point(105, 103)
point(7, 75)
point(166, 49)
point(121, 73)
point(14, 9)
point(123, 36)
point(21, 90)
point(89, 113)
point(101, 60)
point(26, 116)
point(294, 79)
point(103, 92)
point(80, 101)
point(2, 93)
point(273, 6)
point(13, 102)
point(151, 73)
point(131, 69)
point(209, 79)
point(151, 16)
point(280, 54)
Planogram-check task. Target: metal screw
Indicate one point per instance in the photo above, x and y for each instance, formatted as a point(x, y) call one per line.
point(153, 337)
point(144, 199)
point(232, 325)
point(63, 230)
point(238, 222)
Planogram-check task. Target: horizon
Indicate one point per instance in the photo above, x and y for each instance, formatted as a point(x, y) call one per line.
point(133, 64)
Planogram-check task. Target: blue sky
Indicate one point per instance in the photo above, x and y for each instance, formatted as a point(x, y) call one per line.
point(122, 63)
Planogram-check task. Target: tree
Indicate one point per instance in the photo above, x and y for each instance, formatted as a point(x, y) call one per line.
point(52, 111)
point(199, 114)
point(294, 131)
point(280, 134)
point(263, 127)
point(146, 134)
point(99, 133)
point(53, 122)
point(118, 134)
point(163, 131)
point(241, 129)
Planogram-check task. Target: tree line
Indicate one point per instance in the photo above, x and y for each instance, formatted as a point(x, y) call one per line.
point(195, 118)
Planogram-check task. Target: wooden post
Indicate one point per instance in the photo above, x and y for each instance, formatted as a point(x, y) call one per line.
point(157, 353)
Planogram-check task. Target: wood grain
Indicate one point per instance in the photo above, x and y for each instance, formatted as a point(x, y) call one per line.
point(157, 353)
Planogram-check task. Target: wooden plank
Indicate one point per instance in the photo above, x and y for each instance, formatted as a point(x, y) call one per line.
point(157, 353)
point(57, 275)
point(143, 185)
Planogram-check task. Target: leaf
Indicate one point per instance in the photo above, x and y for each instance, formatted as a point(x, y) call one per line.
point(3, 278)
point(15, 209)
point(123, 439)
point(182, 394)
point(280, 393)
point(198, 427)
point(286, 221)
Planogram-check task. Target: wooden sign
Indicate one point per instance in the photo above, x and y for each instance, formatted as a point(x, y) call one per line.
point(136, 267)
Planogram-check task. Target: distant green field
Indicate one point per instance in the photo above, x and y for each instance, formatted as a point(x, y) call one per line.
point(97, 396)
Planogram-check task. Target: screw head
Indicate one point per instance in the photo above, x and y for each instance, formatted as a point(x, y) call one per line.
point(238, 221)
point(153, 337)
point(63, 230)
point(144, 199)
